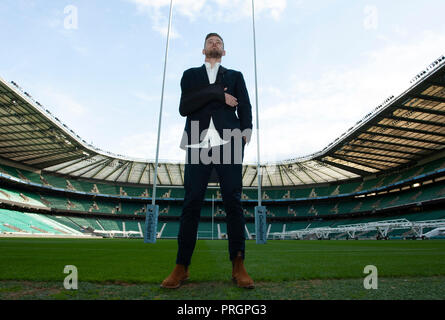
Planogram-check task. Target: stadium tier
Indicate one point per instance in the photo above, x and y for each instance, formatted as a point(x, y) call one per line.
point(27, 224)
point(389, 168)
point(48, 181)
point(86, 208)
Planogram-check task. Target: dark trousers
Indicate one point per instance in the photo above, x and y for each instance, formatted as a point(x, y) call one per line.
point(196, 178)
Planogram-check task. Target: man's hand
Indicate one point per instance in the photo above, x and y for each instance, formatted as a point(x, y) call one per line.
point(230, 100)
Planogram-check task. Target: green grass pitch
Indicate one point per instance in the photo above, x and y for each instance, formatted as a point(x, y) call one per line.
point(130, 269)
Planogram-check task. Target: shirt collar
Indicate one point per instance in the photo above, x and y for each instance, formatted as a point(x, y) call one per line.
point(209, 66)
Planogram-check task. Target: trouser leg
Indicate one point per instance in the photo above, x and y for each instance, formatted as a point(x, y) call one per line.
point(231, 187)
point(196, 177)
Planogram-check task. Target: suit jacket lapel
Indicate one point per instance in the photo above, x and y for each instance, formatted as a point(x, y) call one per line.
point(220, 76)
point(204, 75)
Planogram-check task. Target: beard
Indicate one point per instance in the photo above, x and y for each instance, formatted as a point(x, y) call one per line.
point(214, 53)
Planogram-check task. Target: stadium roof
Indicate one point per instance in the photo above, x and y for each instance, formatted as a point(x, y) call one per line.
point(401, 131)
point(397, 133)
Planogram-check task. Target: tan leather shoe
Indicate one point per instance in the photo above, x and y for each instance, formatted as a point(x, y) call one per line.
point(239, 274)
point(176, 278)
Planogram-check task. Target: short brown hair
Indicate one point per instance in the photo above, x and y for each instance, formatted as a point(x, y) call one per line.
point(213, 34)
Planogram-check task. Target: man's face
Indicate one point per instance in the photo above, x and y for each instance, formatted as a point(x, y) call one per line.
point(214, 48)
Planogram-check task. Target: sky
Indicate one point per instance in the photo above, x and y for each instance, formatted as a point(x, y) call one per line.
point(97, 65)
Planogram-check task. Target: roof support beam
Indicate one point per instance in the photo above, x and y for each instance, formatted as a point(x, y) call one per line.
point(333, 168)
point(142, 173)
point(94, 164)
point(22, 124)
point(42, 131)
point(102, 168)
point(281, 174)
point(370, 159)
point(359, 172)
point(425, 122)
point(422, 110)
point(159, 165)
point(315, 173)
point(181, 174)
point(71, 164)
point(51, 163)
point(168, 173)
point(287, 174)
point(382, 149)
point(304, 169)
point(360, 163)
point(98, 164)
point(375, 154)
point(430, 98)
point(396, 144)
point(436, 83)
point(112, 172)
point(409, 130)
point(404, 138)
point(268, 176)
point(23, 139)
point(254, 177)
point(129, 171)
point(39, 151)
point(296, 176)
point(31, 145)
point(18, 115)
point(124, 167)
point(31, 160)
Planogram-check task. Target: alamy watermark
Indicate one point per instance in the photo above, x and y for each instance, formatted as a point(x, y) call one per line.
point(71, 21)
point(371, 280)
point(208, 147)
point(371, 21)
point(70, 281)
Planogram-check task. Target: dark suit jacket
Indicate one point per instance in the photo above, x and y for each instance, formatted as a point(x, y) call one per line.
point(201, 100)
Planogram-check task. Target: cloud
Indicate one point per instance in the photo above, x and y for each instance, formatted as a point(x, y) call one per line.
point(142, 145)
point(160, 24)
point(305, 117)
point(153, 8)
point(211, 10)
point(62, 104)
point(83, 51)
point(232, 10)
point(145, 97)
point(65, 107)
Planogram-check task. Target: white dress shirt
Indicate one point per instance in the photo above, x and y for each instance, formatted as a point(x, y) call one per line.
point(212, 72)
point(212, 137)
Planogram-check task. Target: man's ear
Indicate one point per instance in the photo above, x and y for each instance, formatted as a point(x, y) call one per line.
point(224, 53)
point(204, 51)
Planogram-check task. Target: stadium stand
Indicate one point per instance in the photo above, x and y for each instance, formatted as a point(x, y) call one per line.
point(407, 188)
point(389, 167)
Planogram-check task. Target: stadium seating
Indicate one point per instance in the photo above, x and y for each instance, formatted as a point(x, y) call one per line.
point(132, 226)
point(178, 192)
point(311, 202)
point(170, 230)
point(29, 223)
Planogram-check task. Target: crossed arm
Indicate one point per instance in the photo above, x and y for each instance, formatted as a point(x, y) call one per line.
point(194, 100)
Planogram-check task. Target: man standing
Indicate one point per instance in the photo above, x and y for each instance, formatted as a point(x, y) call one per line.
point(219, 124)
